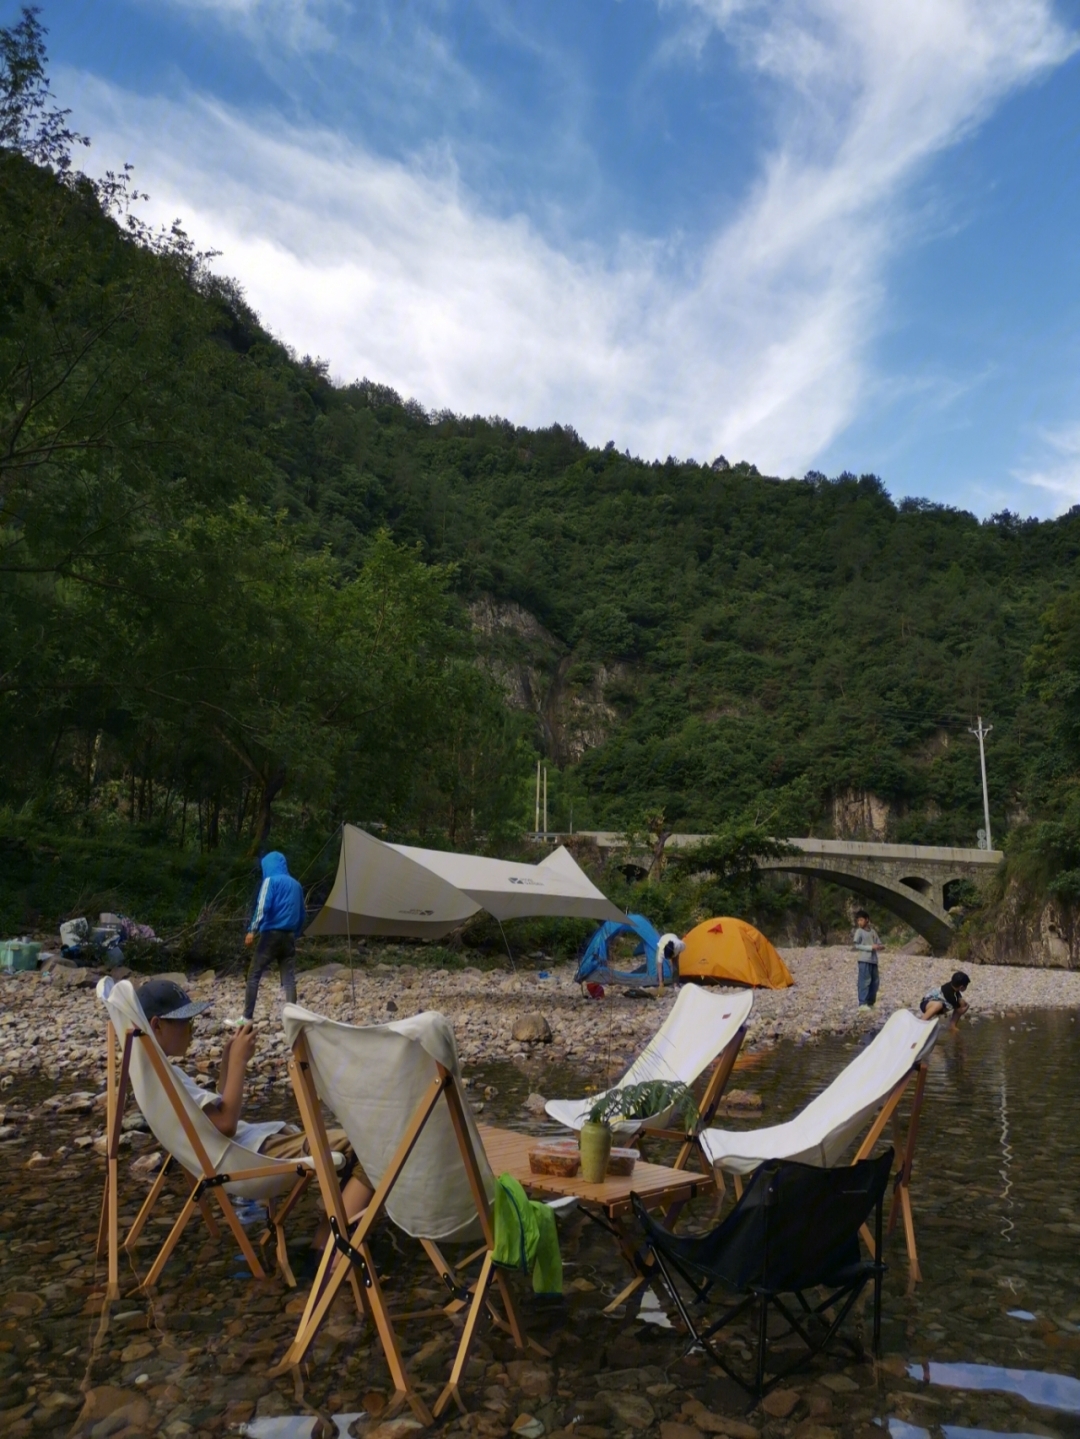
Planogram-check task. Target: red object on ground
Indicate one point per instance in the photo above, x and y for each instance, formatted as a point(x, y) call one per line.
point(594, 990)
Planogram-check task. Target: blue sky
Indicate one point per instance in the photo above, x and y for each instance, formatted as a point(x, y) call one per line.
point(814, 234)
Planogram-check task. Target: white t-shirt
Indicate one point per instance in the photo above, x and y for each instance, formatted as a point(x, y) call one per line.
point(662, 943)
point(251, 1136)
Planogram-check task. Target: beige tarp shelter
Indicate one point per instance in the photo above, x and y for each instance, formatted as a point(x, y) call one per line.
point(396, 890)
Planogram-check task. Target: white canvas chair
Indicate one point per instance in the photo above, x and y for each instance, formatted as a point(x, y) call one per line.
point(396, 1091)
point(869, 1089)
point(702, 1025)
point(219, 1165)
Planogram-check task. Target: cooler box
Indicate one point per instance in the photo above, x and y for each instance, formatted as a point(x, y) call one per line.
point(19, 954)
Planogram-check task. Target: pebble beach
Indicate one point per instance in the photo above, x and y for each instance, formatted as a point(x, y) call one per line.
point(52, 1024)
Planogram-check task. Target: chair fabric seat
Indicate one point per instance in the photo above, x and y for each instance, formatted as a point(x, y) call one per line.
point(822, 1132)
point(699, 1026)
point(795, 1228)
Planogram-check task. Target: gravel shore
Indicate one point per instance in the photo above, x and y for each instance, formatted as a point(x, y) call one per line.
point(52, 1024)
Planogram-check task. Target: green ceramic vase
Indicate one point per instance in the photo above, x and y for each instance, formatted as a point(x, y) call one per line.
point(595, 1143)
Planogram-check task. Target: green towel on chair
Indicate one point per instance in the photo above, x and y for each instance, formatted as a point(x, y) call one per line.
point(526, 1237)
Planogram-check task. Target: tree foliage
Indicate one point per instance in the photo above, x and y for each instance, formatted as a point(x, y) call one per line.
point(230, 588)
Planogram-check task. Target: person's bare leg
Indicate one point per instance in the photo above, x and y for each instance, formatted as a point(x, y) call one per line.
point(355, 1196)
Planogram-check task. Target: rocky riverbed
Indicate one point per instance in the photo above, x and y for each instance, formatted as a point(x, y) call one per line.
point(994, 1212)
point(51, 1023)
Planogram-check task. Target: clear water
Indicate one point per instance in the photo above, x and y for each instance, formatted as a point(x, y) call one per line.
point(988, 1343)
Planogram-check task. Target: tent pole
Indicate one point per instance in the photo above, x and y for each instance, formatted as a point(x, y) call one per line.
point(348, 921)
point(502, 931)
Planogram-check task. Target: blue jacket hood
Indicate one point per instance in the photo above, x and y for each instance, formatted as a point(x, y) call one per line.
point(280, 904)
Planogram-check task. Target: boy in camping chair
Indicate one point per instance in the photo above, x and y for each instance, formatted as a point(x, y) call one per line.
point(170, 1013)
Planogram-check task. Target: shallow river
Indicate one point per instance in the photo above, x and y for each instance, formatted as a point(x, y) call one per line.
point(989, 1342)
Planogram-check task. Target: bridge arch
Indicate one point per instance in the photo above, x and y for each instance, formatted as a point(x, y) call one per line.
point(914, 907)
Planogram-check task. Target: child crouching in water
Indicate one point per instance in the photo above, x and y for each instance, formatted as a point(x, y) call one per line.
point(947, 999)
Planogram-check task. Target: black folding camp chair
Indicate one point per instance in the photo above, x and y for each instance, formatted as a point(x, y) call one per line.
point(795, 1229)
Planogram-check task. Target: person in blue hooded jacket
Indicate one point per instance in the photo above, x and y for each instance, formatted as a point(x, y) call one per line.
point(278, 919)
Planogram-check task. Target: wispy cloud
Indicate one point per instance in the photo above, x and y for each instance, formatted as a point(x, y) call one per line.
point(1057, 470)
point(290, 25)
point(755, 344)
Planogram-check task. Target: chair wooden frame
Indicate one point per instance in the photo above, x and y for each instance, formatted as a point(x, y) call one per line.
point(710, 1102)
point(209, 1183)
point(348, 1253)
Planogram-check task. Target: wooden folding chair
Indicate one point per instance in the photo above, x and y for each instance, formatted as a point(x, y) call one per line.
point(703, 1026)
point(348, 1255)
point(707, 1107)
point(178, 1125)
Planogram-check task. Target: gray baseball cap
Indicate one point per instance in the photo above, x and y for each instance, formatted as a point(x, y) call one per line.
point(164, 999)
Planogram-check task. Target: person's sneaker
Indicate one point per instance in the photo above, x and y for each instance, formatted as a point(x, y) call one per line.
point(863, 1009)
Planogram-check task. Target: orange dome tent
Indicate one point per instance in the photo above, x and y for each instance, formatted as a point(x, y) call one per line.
point(732, 950)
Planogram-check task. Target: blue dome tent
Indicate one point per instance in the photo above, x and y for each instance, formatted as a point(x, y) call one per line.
point(594, 962)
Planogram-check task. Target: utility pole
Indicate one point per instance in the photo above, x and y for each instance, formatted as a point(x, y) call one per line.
point(545, 805)
point(536, 821)
point(980, 734)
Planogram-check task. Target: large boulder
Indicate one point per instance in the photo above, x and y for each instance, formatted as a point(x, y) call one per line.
point(532, 1029)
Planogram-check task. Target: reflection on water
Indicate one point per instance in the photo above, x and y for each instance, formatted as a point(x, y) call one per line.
point(1049, 1391)
point(651, 1311)
point(295, 1426)
point(898, 1429)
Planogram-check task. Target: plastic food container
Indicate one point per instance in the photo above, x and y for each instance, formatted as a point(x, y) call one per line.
point(622, 1161)
point(17, 954)
point(559, 1156)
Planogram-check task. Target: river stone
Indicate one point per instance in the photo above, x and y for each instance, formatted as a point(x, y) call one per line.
point(74, 978)
point(527, 1426)
point(780, 1402)
point(534, 1380)
point(532, 1029)
point(535, 1104)
point(632, 1409)
point(21, 1305)
point(393, 1428)
point(839, 1383)
point(110, 1401)
point(672, 1429)
point(711, 1423)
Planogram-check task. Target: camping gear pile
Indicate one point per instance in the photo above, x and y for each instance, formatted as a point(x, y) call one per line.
point(102, 943)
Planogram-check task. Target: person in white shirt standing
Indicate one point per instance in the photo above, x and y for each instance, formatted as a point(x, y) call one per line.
point(868, 945)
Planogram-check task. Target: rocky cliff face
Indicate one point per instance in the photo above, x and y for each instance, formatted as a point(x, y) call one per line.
point(1022, 930)
point(542, 676)
point(858, 814)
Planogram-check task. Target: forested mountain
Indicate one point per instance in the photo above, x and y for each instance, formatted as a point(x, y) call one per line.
point(235, 594)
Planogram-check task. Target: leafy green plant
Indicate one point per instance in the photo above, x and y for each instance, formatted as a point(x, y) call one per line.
point(642, 1101)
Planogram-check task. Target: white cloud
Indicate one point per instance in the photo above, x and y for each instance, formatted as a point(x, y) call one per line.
point(754, 346)
point(1057, 471)
point(290, 25)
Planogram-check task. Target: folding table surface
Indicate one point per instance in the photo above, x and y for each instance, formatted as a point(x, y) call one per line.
point(658, 1186)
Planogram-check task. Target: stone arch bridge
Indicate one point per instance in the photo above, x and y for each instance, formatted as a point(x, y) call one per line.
point(909, 880)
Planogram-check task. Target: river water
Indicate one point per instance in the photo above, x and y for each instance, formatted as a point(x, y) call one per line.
point(989, 1342)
